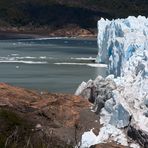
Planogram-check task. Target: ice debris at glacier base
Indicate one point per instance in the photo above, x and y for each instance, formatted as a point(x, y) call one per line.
point(99, 93)
point(123, 45)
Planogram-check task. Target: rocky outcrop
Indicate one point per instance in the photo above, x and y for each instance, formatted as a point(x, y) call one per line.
point(32, 119)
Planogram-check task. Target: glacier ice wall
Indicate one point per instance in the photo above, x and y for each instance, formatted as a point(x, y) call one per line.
point(123, 46)
point(119, 39)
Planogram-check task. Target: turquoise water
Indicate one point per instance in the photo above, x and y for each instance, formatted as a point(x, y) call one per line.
point(54, 65)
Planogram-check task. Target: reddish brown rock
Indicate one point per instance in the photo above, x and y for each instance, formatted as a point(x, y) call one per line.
point(58, 120)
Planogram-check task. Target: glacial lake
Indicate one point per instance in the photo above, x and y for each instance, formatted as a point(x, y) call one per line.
point(49, 64)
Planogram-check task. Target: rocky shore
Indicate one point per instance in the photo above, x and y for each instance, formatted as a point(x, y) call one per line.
point(40, 119)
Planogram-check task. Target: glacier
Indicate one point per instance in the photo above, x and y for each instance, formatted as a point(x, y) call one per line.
point(123, 46)
point(119, 39)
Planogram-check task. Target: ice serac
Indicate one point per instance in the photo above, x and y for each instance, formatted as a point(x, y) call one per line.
point(123, 45)
point(119, 39)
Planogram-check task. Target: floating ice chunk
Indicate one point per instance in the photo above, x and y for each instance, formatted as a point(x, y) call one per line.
point(17, 67)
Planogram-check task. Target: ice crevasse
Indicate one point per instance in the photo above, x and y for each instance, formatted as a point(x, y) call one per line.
point(123, 46)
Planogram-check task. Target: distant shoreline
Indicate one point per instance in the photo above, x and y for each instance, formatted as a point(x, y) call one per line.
point(15, 33)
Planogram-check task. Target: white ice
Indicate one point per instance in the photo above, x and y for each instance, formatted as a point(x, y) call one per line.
point(123, 46)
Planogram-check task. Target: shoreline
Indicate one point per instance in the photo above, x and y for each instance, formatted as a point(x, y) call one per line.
point(35, 34)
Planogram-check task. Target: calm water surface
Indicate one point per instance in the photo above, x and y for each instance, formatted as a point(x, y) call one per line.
point(54, 65)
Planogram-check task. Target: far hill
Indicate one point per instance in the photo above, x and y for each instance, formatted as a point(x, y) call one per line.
point(62, 16)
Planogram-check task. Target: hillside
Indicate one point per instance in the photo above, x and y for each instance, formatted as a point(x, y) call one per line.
point(48, 16)
point(34, 120)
